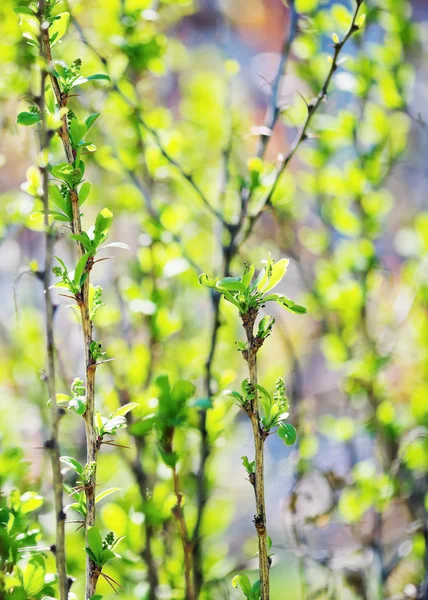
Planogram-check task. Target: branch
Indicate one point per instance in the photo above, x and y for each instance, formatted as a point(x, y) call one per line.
point(250, 356)
point(302, 135)
point(91, 445)
point(273, 111)
point(53, 444)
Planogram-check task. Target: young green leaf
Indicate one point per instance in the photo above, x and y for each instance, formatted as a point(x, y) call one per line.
point(80, 267)
point(287, 433)
point(106, 493)
point(95, 543)
point(60, 201)
point(84, 192)
point(59, 27)
point(91, 120)
point(72, 463)
point(78, 131)
point(123, 410)
point(27, 118)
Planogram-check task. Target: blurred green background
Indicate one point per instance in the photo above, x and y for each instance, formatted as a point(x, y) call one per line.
point(347, 505)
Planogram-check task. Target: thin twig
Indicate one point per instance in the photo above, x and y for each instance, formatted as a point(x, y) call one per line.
point(50, 237)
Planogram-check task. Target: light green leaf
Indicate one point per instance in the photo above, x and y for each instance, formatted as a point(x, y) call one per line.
point(80, 267)
point(78, 131)
point(123, 410)
point(27, 118)
point(84, 192)
point(287, 433)
point(72, 463)
point(95, 542)
point(59, 27)
point(106, 493)
point(279, 269)
point(30, 501)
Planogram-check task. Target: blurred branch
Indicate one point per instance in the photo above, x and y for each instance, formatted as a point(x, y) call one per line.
point(312, 108)
point(274, 111)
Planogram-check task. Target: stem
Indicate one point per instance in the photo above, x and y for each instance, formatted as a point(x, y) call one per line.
point(259, 439)
point(53, 443)
point(92, 574)
point(177, 511)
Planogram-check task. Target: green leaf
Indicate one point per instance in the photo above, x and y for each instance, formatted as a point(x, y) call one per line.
point(279, 269)
point(95, 543)
point(59, 216)
point(77, 405)
point(265, 399)
point(27, 118)
point(233, 284)
point(243, 582)
point(24, 10)
point(233, 394)
point(84, 192)
point(59, 27)
point(287, 433)
point(80, 267)
point(33, 578)
point(60, 201)
point(123, 410)
point(84, 239)
point(92, 556)
point(30, 501)
point(107, 555)
point(78, 131)
point(102, 225)
point(207, 281)
point(256, 587)
point(82, 80)
point(106, 493)
point(72, 463)
point(248, 275)
point(91, 120)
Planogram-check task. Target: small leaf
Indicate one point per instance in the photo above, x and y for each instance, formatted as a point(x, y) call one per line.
point(82, 80)
point(91, 120)
point(207, 281)
point(123, 410)
point(78, 131)
point(24, 10)
point(287, 433)
point(95, 542)
point(27, 118)
point(107, 555)
point(84, 192)
point(72, 463)
point(59, 27)
point(106, 493)
point(77, 405)
point(84, 239)
point(233, 284)
point(80, 267)
point(102, 225)
point(279, 269)
point(60, 201)
point(248, 276)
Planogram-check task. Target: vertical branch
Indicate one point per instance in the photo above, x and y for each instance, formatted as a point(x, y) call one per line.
point(187, 544)
point(50, 236)
point(259, 437)
point(92, 572)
